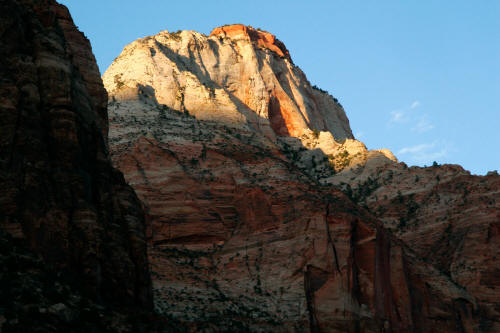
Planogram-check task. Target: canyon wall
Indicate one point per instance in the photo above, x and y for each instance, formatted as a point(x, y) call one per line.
point(256, 209)
point(239, 163)
point(240, 238)
point(449, 217)
point(61, 200)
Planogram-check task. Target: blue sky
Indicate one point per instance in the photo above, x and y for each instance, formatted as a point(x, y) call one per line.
point(421, 78)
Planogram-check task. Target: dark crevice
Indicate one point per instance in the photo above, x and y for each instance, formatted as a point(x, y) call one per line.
point(313, 320)
point(330, 241)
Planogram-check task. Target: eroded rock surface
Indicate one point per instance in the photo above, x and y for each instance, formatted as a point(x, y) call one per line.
point(239, 162)
point(243, 239)
point(60, 195)
point(242, 233)
point(449, 217)
point(238, 75)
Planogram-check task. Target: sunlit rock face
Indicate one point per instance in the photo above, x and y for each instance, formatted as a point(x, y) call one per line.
point(238, 75)
point(244, 78)
point(242, 233)
point(240, 238)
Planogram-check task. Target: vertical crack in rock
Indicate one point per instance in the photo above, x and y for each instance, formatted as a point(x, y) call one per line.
point(383, 295)
point(311, 284)
point(329, 236)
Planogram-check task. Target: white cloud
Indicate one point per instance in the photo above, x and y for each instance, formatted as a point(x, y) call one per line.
point(398, 116)
point(422, 126)
point(359, 135)
point(403, 115)
point(407, 114)
point(416, 149)
point(425, 153)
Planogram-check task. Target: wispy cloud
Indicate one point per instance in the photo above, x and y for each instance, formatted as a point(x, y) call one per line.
point(403, 115)
point(425, 153)
point(408, 115)
point(398, 116)
point(412, 119)
point(359, 135)
point(423, 125)
point(416, 149)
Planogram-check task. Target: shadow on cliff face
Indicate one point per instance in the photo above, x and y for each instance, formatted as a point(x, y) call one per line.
point(278, 123)
point(312, 118)
point(207, 216)
point(274, 130)
point(204, 78)
point(231, 218)
point(59, 192)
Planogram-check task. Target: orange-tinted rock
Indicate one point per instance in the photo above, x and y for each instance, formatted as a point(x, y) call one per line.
point(238, 76)
point(242, 239)
point(221, 140)
point(257, 36)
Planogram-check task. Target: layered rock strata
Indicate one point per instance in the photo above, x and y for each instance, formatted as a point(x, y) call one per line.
point(449, 217)
point(242, 239)
point(59, 193)
point(238, 162)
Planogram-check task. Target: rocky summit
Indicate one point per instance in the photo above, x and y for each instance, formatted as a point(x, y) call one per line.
point(264, 213)
point(238, 75)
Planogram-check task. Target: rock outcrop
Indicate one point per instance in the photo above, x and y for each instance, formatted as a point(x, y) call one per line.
point(60, 195)
point(247, 227)
point(449, 218)
point(238, 75)
point(241, 239)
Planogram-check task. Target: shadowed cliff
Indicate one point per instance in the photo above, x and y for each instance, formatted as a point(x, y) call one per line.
point(60, 197)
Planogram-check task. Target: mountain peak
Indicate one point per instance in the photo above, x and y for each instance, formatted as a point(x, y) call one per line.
point(258, 36)
point(238, 75)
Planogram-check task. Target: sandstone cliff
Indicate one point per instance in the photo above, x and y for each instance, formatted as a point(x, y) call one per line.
point(448, 217)
point(244, 78)
point(242, 239)
point(60, 197)
point(237, 75)
point(226, 144)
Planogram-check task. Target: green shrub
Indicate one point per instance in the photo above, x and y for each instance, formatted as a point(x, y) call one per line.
point(315, 87)
point(118, 81)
